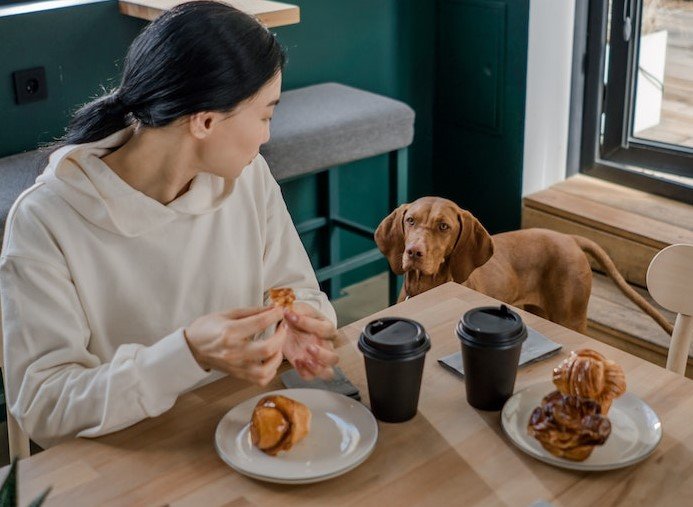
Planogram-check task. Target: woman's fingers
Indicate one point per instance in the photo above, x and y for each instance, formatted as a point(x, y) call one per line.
point(241, 313)
point(318, 363)
point(322, 328)
point(264, 349)
point(220, 341)
point(315, 369)
point(254, 324)
point(303, 370)
point(323, 355)
point(263, 373)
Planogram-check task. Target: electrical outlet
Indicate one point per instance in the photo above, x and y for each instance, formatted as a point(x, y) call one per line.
point(30, 85)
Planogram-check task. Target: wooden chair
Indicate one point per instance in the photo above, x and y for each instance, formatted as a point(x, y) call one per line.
point(670, 282)
point(18, 440)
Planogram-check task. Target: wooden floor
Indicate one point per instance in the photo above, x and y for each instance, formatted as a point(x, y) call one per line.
point(676, 125)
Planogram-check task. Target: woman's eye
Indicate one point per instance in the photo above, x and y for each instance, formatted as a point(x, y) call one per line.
point(443, 226)
point(410, 220)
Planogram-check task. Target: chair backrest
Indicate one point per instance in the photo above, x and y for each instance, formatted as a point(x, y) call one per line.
point(670, 282)
point(18, 440)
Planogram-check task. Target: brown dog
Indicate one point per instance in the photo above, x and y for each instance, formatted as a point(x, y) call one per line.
point(432, 241)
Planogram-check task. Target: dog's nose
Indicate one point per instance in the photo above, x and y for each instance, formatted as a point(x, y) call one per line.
point(414, 251)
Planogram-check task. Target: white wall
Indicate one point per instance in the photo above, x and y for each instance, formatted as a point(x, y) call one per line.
point(549, 60)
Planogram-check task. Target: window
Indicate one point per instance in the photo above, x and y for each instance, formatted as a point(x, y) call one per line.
point(637, 122)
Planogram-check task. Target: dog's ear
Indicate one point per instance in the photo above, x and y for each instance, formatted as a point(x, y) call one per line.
point(474, 247)
point(389, 236)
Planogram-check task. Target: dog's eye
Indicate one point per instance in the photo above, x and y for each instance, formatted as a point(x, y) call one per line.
point(443, 226)
point(410, 220)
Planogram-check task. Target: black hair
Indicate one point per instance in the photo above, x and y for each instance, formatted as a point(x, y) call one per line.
point(198, 56)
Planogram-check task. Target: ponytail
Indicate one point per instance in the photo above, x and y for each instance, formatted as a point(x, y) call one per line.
point(97, 119)
point(198, 56)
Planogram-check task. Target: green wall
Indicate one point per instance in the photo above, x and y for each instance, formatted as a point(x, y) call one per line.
point(80, 47)
point(392, 47)
point(385, 46)
point(480, 107)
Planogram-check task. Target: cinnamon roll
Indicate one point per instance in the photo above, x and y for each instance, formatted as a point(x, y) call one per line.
point(569, 427)
point(278, 423)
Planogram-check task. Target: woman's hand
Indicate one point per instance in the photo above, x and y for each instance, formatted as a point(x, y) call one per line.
point(223, 341)
point(309, 344)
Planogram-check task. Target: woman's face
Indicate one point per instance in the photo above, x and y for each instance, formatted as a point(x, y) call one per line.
point(234, 140)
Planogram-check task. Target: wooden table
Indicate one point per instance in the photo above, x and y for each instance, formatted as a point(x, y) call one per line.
point(449, 454)
point(269, 13)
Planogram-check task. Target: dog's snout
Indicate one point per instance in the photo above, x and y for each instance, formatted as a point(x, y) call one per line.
point(414, 252)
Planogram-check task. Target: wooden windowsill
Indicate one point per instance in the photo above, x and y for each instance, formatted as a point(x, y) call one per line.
point(271, 14)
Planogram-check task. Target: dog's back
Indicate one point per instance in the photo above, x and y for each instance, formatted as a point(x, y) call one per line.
point(537, 269)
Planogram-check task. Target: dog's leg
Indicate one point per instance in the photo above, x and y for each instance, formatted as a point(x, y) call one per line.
point(571, 310)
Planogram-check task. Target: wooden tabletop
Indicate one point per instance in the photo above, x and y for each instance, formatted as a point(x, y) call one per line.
point(449, 454)
point(271, 14)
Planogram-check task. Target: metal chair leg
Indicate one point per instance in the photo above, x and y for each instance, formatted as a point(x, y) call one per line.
point(398, 194)
point(335, 286)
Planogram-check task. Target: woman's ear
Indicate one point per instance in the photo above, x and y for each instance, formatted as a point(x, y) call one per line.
point(389, 236)
point(202, 123)
point(473, 249)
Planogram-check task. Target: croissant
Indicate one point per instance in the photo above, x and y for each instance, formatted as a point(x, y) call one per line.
point(588, 374)
point(569, 427)
point(278, 423)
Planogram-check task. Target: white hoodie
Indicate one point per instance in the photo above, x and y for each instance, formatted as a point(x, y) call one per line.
point(98, 281)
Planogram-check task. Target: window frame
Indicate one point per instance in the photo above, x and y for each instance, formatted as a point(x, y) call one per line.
point(611, 159)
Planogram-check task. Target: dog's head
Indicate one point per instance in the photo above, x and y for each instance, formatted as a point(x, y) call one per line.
point(432, 232)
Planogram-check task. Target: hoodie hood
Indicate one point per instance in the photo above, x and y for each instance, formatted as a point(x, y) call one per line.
point(78, 175)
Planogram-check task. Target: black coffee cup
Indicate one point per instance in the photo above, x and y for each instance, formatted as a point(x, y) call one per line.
point(394, 350)
point(491, 338)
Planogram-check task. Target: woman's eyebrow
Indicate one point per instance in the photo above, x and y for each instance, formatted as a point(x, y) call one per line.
point(273, 103)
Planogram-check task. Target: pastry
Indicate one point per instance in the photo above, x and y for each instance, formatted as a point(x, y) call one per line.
point(588, 374)
point(569, 427)
point(282, 297)
point(278, 423)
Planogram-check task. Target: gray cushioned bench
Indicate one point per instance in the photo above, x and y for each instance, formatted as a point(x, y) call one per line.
point(17, 173)
point(330, 124)
point(314, 129)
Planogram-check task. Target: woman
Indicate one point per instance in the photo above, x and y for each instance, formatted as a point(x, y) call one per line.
point(142, 258)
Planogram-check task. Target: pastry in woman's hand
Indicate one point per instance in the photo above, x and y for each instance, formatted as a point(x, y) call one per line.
point(588, 374)
point(569, 427)
point(283, 297)
point(278, 423)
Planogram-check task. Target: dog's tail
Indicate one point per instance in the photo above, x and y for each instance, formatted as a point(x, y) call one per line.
point(590, 247)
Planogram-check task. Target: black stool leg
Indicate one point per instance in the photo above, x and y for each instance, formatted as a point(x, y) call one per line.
point(333, 231)
point(398, 194)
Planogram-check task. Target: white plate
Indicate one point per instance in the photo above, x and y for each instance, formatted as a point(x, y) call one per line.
point(635, 431)
point(343, 434)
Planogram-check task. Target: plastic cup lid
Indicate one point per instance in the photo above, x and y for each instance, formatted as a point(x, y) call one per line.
point(394, 337)
point(491, 326)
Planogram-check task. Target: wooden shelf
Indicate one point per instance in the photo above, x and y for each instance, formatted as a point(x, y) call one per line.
point(271, 14)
